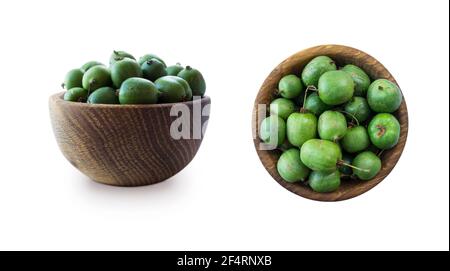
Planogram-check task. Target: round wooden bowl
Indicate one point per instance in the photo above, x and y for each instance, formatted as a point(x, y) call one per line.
point(123, 145)
point(294, 64)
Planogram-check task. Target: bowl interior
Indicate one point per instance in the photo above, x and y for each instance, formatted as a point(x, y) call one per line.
point(342, 55)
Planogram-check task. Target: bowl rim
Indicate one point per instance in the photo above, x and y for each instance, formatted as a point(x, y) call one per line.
point(59, 97)
point(306, 192)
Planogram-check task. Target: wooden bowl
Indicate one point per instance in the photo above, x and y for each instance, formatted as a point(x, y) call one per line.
point(294, 64)
point(123, 145)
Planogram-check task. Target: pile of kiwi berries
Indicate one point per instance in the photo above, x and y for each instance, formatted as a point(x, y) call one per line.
point(130, 81)
point(331, 123)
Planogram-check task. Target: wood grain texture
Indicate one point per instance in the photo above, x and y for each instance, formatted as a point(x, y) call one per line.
point(341, 55)
point(122, 145)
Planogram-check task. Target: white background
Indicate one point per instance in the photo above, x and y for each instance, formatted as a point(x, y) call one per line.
point(224, 199)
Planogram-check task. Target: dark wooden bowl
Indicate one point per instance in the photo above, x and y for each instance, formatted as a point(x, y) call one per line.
point(122, 145)
point(294, 64)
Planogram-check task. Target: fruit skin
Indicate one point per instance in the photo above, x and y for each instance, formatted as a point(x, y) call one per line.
point(170, 90)
point(86, 66)
point(290, 86)
point(104, 95)
point(124, 69)
point(271, 127)
point(76, 94)
point(336, 87)
point(324, 182)
point(355, 140)
point(290, 167)
point(332, 125)
point(195, 80)
point(282, 107)
point(301, 127)
point(147, 57)
point(369, 161)
point(347, 158)
point(138, 91)
point(73, 79)
point(360, 78)
point(320, 155)
point(174, 69)
point(153, 69)
point(315, 68)
point(384, 96)
point(97, 77)
point(118, 56)
point(384, 131)
point(315, 105)
point(186, 86)
point(359, 108)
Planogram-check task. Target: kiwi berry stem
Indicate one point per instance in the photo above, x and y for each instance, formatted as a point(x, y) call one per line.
point(313, 88)
point(381, 130)
point(351, 115)
point(341, 162)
